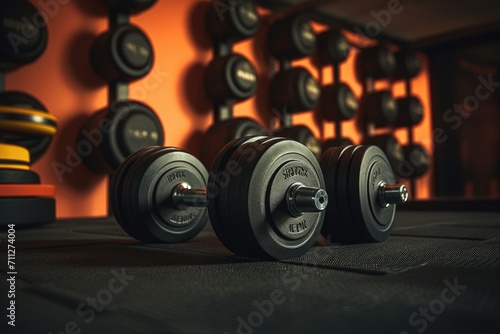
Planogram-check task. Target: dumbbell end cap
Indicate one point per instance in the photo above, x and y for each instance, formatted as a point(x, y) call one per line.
point(392, 194)
point(301, 199)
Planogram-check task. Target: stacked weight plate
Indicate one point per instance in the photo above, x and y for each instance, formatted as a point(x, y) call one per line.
point(23, 199)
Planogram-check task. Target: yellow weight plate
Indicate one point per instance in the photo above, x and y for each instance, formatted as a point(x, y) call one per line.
point(14, 153)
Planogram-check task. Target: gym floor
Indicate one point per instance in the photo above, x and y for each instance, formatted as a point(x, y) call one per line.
point(437, 273)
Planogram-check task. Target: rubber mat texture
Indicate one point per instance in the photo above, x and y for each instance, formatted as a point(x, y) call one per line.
point(200, 287)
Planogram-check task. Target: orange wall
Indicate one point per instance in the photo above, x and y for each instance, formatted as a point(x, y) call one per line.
point(65, 82)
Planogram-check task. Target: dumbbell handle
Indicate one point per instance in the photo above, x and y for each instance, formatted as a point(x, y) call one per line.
point(390, 194)
point(299, 198)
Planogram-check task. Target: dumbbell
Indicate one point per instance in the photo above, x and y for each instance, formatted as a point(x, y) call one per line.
point(380, 108)
point(230, 78)
point(363, 194)
point(123, 53)
point(113, 133)
point(265, 196)
point(410, 111)
point(20, 189)
point(333, 48)
point(376, 62)
point(25, 121)
point(129, 6)
point(23, 34)
point(408, 65)
point(416, 161)
point(390, 146)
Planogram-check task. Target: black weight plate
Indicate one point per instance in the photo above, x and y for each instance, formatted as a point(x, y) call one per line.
point(231, 77)
point(124, 53)
point(332, 228)
point(333, 47)
point(381, 108)
point(338, 102)
point(408, 65)
point(14, 176)
point(112, 134)
point(291, 38)
point(377, 62)
point(336, 142)
point(410, 111)
point(221, 172)
point(14, 211)
point(391, 147)
point(238, 234)
point(37, 145)
point(303, 135)
point(23, 33)
point(221, 133)
point(294, 90)
point(369, 167)
point(129, 6)
point(233, 22)
point(150, 184)
point(258, 204)
point(417, 159)
point(219, 177)
point(119, 198)
point(350, 232)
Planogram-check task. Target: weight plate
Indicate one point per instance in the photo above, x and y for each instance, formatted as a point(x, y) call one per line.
point(333, 47)
point(238, 23)
point(124, 53)
point(332, 229)
point(23, 33)
point(249, 151)
point(416, 161)
point(258, 193)
point(336, 142)
point(223, 169)
point(149, 185)
point(29, 121)
point(112, 134)
point(349, 229)
point(27, 190)
point(408, 65)
point(294, 90)
point(338, 102)
point(291, 38)
point(14, 176)
point(129, 6)
point(303, 135)
point(13, 211)
point(376, 62)
point(223, 132)
point(9, 152)
point(36, 144)
point(118, 198)
point(410, 111)
point(369, 168)
point(381, 109)
point(231, 77)
point(391, 147)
